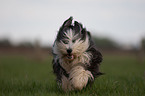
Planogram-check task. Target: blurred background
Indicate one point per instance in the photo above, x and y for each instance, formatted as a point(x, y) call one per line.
point(28, 29)
point(27, 24)
point(31, 25)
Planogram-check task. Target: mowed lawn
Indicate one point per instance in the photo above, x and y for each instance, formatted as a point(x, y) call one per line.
point(25, 76)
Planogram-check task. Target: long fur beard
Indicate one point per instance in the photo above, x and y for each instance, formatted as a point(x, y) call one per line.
point(76, 59)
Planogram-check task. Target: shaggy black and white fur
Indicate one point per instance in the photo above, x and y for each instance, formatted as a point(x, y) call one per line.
point(76, 60)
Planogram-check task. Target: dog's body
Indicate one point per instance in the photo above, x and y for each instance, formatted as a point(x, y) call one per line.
point(76, 60)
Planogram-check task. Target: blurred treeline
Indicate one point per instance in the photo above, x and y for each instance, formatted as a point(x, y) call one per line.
point(105, 45)
point(7, 43)
point(25, 48)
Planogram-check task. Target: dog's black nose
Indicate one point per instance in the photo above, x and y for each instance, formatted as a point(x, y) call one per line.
point(69, 51)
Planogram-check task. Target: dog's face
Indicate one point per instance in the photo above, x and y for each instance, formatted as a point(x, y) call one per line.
point(71, 41)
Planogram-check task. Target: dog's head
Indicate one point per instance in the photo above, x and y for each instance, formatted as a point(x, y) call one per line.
point(72, 40)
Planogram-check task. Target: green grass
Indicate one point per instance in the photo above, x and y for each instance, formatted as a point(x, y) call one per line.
point(23, 76)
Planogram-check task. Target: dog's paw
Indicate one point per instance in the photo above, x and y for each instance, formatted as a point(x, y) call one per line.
point(79, 77)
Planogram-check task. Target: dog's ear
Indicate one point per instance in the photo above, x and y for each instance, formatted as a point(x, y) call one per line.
point(77, 26)
point(89, 34)
point(68, 22)
point(83, 33)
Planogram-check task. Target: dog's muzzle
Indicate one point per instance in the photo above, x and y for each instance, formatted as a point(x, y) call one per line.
point(69, 55)
point(69, 51)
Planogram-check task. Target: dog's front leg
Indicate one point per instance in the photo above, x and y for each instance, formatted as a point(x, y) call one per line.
point(66, 84)
point(79, 77)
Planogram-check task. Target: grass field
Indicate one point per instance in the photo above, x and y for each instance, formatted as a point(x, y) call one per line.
point(23, 76)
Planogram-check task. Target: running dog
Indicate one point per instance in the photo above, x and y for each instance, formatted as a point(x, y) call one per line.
point(76, 59)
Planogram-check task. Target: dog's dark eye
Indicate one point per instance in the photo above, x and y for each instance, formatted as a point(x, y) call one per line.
point(65, 42)
point(73, 41)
